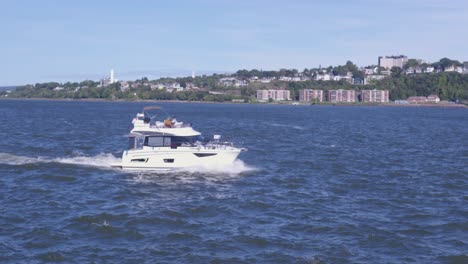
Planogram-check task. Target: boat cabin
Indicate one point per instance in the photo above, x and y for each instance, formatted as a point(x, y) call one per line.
point(148, 131)
point(138, 141)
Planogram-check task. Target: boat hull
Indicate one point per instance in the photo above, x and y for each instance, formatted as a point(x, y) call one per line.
point(163, 159)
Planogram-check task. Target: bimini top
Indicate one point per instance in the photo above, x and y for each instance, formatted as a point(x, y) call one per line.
point(147, 126)
point(148, 108)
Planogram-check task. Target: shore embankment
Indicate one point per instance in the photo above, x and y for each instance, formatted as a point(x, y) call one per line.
point(295, 103)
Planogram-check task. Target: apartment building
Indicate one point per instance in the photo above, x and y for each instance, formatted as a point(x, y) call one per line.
point(375, 96)
point(389, 62)
point(275, 95)
point(309, 95)
point(342, 96)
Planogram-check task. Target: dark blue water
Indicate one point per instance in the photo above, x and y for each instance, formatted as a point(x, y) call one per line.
point(319, 184)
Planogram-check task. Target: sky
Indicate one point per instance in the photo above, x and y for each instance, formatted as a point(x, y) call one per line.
point(54, 40)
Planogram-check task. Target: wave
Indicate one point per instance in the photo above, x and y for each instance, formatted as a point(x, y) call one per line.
point(10, 159)
point(285, 125)
point(194, 174)
point(237, 167)
point(205, 174)
point(101, 160)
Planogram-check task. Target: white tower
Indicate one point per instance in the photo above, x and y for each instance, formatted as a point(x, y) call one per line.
point(112, 80)
point(193, 75)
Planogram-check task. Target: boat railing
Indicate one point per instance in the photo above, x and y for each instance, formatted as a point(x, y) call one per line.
point(159, 124)
point(218, 144)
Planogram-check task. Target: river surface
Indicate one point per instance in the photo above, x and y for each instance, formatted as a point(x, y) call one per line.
point(318, 184)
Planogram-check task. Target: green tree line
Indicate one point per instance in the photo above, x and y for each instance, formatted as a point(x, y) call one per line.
point(447, 85)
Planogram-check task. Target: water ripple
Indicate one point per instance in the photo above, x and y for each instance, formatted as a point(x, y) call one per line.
point(340, 185)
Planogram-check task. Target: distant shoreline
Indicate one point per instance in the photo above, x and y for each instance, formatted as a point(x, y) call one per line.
point(237, 103)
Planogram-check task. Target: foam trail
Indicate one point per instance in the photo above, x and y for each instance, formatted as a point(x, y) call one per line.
point(10, 159)
point(298, 127)
point(104, 160)
point(101, 160)
point(286, 125)
point(237, 167)
point(193, 174)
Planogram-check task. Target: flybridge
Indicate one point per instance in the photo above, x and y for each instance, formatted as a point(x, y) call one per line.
point(144, 124)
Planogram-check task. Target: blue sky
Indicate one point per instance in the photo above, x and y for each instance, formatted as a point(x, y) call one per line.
point(75, 40)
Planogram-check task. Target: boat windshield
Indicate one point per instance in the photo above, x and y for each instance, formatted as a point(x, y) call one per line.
point(186, 139)
point(164, 141)
point(135, 142)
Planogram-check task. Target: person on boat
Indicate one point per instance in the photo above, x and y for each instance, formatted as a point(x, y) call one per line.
point(167, 122)
point(174, 120)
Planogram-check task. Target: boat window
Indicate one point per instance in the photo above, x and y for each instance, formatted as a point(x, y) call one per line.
point(201, 155)
point(158, 141)
point(183, 139)
point(131, 142)
point(154, 141)
point(167, 141)
point(139, 142)
point(139, 160)
point(135, 143)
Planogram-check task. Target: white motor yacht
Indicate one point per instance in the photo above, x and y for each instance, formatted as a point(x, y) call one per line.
point(167, 145)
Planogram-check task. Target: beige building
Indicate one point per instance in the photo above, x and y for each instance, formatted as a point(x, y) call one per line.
point(375, 96)
point(311, 95)
point(342, 96)
point(433, 99)
point(275, 95)
point(417, 99)
point(389, 62)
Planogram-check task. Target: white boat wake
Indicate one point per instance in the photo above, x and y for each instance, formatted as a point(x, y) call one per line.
point(237, 167)
point(101, 160)
point(108, 161)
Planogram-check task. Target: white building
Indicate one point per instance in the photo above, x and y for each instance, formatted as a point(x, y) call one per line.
point(108, 81)
point(368, 71)
point(337, 77)
point(433, 99)
point(275, 95)
point(124, 86)
point(231, 81)
point(323, 77)
point(228, 81)
point(171, 87)
point(375, 77)
point(429, 69)
point(158, 86)
point(389, 62)
point(410, 70)
point(345, 78)
point(111, 77)
point(266, 80)
point(451, 68)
